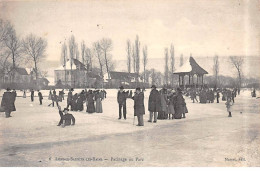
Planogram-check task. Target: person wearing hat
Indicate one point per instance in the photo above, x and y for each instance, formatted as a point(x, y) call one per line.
point(154, 103)
point(179, 104)
point(121, 100)
point(139, 110)
point(32, 95)
point(7, 103)
point(69, 99)
point(66, 119)
point(40, 96)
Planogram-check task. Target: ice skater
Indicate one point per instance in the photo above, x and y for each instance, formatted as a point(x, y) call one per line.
point(7, 103)
point(32, 95)
point(66, 119)
point(40, 96)
point(139, 106)
point(229, 105)
point(121, 100)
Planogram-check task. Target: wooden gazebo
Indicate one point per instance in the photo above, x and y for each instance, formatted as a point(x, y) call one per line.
point(192, 70)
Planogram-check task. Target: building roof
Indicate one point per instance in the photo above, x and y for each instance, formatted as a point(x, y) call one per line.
point(21, 71)
point(192, 67)
point(74, 67)
point(122, 75)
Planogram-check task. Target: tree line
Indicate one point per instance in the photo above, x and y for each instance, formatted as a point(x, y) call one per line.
point(16, 51)
point(99, 52)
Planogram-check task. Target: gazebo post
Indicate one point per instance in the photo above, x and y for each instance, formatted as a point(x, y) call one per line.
point(179, 80)
point(202, 80)
point(197, 79)
point(189, 79)
point(183, 80)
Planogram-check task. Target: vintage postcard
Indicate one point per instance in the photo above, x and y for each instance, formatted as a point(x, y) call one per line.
point(130, 83)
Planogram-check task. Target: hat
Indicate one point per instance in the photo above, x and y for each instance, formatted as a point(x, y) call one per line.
point(121, 87)
point(179, 89)
point(72, 89)
point(65, 109)
point(138, 88)
point(153, 86)
point(8, 89)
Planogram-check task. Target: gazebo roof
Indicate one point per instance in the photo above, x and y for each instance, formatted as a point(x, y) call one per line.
point(190, 67)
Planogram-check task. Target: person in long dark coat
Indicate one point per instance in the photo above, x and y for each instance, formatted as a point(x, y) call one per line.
point(203, 96)
point(163, 113)
point(218, 96)
point(80, 100)
point(40, 96)
point(121, 100)
point(139, 110)
point(7, 103)
point(193, 95)
point(98, 99)
point(69, 99)
point(154, 104)
point(90, 102)
point(32, 95)
point(74, 106)
point(179, 104)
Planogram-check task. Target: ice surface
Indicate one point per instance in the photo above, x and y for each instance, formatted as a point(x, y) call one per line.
point(205, 138)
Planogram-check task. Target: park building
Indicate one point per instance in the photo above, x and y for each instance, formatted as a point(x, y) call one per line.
point(190, 74)
point(75, 74)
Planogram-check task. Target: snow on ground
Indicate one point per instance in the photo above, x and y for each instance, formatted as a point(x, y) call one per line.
point(205, 138)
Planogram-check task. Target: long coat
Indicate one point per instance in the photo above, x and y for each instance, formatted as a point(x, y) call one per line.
point(164, 101)
point(8, 102)
point(139, 104)
point(179, 104)
point(154, 102)
point(121, 97)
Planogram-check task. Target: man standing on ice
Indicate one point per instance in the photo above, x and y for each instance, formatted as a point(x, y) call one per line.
point(8, 103)
point(121, 100)
point(40, 96)
point(139, 106)
point(69, 99)
point(154, 104)
point(32, 95)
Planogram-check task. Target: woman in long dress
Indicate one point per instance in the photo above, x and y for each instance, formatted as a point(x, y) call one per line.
point(98, 98)
point(171, 110)
point(163, 114)
point(24, 94)
point(90, 102)
point(179, 104)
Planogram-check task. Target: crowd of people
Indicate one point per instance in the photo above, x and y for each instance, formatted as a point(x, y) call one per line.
point(162, 104)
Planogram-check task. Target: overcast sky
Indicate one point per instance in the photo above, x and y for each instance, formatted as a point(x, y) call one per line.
point(203, 28)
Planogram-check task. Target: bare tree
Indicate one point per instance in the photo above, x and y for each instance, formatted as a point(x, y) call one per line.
point(77, 51)
point(83, 50)
point(181, 60)
point(106, 47)
point(216, 69)
point(98, 55)
point(145, 60)
point(5, 28)
point(88, 59)
point(34, 47)
point(137, 55)
point(128, 53)
point(13, 47)
point(134, 58)
point(72, 49)
point(64, 59)
point(237, 62)
point(166, 68)
point(172, 63)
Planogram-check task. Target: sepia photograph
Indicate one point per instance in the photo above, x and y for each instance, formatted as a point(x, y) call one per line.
point(130, 83)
